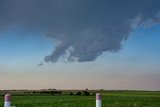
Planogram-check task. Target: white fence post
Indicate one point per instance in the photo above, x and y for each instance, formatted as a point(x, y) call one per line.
point(7, 100)
point(98, 100)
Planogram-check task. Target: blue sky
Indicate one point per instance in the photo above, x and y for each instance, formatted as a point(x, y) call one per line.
point(139, 57)
point(82, 44)
point(19, 45)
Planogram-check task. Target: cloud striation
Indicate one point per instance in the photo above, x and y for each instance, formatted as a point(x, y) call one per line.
point(82, 29)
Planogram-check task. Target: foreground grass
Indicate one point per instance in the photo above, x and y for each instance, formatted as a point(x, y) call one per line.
point(110, 99)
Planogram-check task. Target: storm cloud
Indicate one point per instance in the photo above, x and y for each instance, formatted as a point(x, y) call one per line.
point(82, 29)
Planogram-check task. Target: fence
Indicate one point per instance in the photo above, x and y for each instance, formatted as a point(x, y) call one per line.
point(7, 100)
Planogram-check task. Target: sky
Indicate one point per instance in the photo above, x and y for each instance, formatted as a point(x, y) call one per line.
point(78, 44)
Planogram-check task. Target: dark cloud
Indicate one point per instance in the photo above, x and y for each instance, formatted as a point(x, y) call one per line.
point(40, 64)
point(82, 29)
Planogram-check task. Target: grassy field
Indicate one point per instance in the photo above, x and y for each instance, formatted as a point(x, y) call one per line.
point(110, 99)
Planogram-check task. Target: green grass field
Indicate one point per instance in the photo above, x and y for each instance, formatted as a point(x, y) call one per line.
point(110, 99)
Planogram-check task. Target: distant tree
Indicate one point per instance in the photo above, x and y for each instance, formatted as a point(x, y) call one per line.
point(71, 93)
point(52, 93)
point(93, 93)
point(57, 92)
point(86, 93)
point(34, 92)
point(79, 93)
